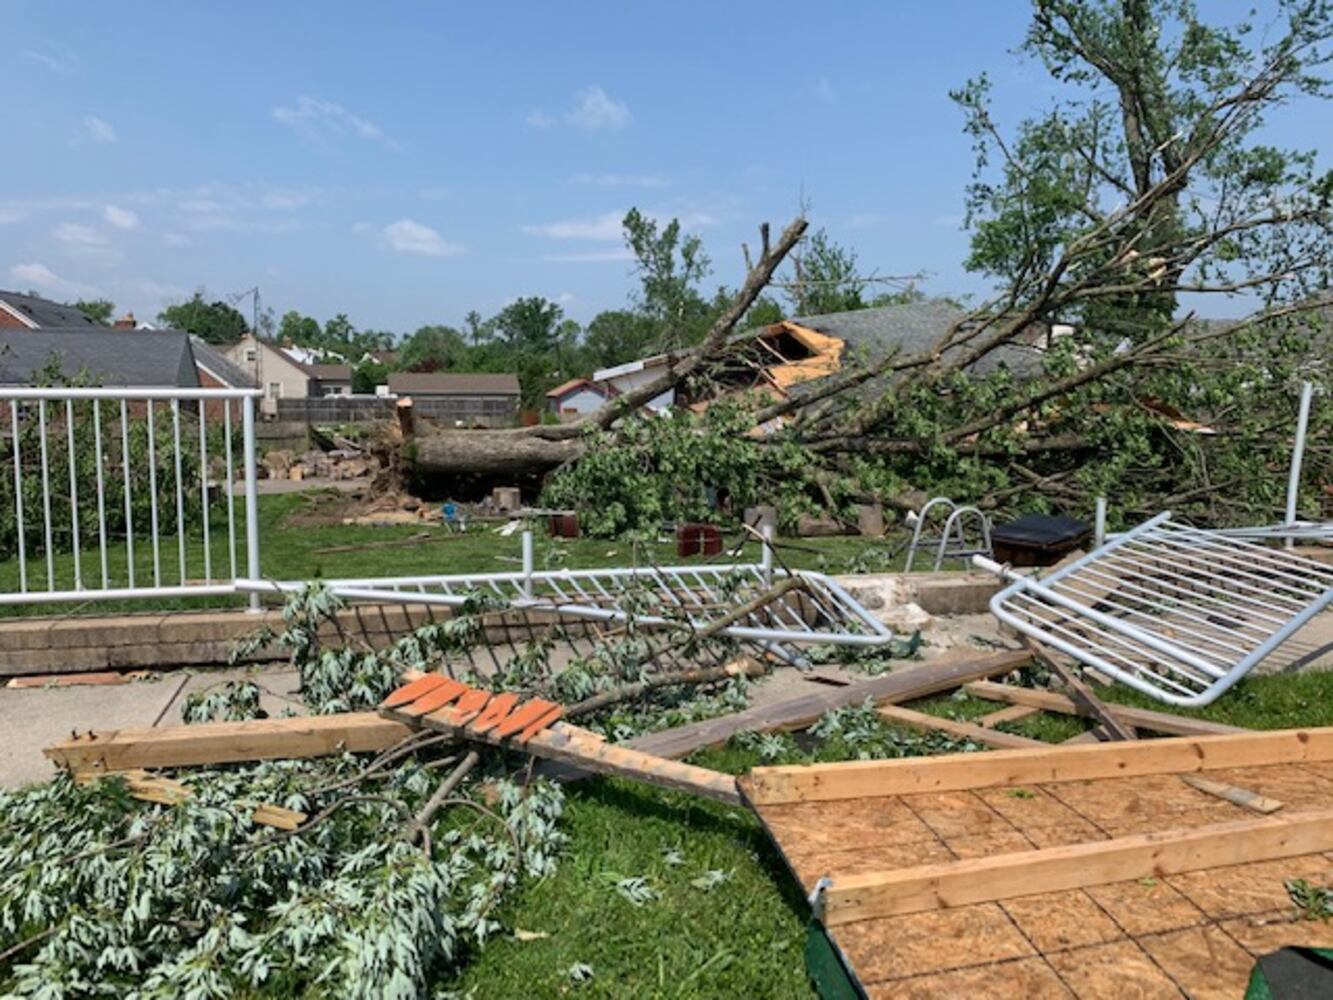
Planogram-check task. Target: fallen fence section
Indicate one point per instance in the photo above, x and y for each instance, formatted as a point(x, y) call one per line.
point(1176, 612)
point(450, 707)
point(770, 608)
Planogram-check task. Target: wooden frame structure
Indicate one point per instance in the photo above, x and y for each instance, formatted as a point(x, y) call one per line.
point(833, 821)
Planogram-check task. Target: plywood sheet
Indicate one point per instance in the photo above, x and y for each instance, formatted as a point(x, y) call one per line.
point(1195, 934)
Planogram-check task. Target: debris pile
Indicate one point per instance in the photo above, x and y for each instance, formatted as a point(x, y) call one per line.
point(338, 464)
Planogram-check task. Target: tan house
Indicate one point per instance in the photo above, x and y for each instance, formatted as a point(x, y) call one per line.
point(273, 371)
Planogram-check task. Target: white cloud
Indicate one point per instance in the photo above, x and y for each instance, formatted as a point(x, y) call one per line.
point(601, 227)
point(566, 298)
point(597, 109)
point(176, 240)
point(41, 276)
point(609, 226)
point(10, 215)
point(121, 218)
point(56, 61)
point(593, 108)
point(74, 234)
point(824, 91)
point(409, 236)
point(318, 122)
point(99, 129)
point(621, 180)
point(593, 257)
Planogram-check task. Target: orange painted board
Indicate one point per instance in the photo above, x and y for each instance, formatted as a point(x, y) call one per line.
point(496, 710)
point(414, 690)
point(546, 721)
point(523, 716)
point(468, 708)
point(438, 698)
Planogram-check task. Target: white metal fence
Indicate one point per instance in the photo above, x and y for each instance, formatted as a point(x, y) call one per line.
point(126, 492)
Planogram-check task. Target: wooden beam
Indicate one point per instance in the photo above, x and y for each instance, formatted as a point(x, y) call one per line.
point(918, 681)
point(1027, 873)
point(1082, 695)
point(1011, 713)
point(923, 722)
point(589, 752)
point(227, 742)
point(955, 772)
point(1142, 718)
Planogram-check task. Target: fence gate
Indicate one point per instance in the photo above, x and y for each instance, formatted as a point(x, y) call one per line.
point(126, 492)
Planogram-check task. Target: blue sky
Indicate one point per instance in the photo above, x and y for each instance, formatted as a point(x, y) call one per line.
point(407, 162)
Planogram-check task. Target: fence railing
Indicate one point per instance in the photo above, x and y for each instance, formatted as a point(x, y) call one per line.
point(126, 492)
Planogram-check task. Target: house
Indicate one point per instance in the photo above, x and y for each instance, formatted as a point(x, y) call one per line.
point(577, 397)
point(476, 398)
point(804, 349)
point(631, 375)
point(28, 312)
point(329, 380)
point(103, 356)
point(914, 327)
point(275, 372)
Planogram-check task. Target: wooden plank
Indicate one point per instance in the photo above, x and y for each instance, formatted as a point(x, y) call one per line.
point(955, 772)
point(923, 722)
point(228, 742)
point(1143, 718)
point(1087, 736)
point(589, 752)
point(1026, 873)
point(1010, 713)
point(943, 674)
point(1082, 695)
point(1242, 797)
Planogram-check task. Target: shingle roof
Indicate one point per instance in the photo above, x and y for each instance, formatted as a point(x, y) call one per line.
point(911, 327)
point(46, 313)
point(217, 363)
point(108, 357)
point(329, 373)
point(453, 384)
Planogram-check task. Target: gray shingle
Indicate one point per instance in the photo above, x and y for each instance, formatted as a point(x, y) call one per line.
point(108, 357)
point(46, 313)
point(217, 363)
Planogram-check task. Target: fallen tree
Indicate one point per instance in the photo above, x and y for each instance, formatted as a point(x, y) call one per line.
point(1088, 372)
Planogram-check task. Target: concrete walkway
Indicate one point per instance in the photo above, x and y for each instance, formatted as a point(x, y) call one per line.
point(32, 718)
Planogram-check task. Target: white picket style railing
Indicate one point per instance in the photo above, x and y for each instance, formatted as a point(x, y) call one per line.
point(120, 493)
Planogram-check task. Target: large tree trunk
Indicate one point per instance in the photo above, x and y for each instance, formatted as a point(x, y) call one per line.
point(500, 453)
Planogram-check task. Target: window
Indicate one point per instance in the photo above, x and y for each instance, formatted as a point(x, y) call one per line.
point(275, 390)
point(251, 354)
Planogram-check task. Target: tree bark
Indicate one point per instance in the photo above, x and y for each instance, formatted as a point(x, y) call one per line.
point(508, 452)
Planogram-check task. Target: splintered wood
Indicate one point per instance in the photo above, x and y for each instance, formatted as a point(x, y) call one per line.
point(448, 706)
point(1131, 868)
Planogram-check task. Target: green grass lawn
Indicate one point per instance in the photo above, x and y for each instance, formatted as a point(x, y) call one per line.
point(721, 915)
point(290, 548)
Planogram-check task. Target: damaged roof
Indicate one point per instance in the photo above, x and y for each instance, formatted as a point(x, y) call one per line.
point(911, 327)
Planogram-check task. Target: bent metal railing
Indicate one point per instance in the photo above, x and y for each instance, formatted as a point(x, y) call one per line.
point(122, 493)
